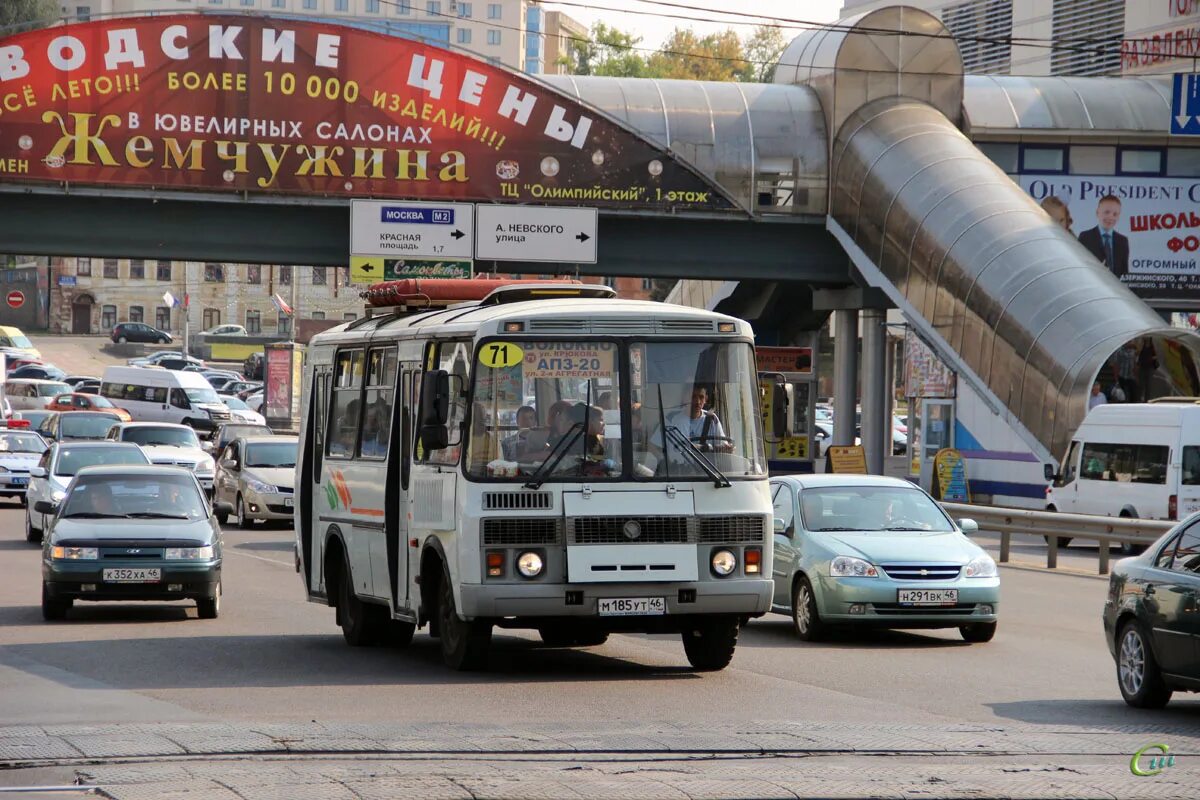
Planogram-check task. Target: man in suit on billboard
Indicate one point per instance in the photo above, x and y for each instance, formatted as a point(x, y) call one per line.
point(1103, 241)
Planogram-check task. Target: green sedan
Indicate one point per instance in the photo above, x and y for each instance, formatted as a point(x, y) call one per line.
point(131, 532)
point(868, 551)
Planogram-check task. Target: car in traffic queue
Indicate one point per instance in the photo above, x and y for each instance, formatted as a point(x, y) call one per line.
point(78, 426)
point(20, 449)
point(871, 551)
point(131, 533)
point(49, 478)
point(236, 430)
point(152, 358)
point(39, 372)
point(14, 340)
point(33, 417)
point(169, 445)
point(241, 412)
point(256, 480)
point(225, 330)
point(1150, 618)
point(76, 401)
point(124, 332)
point(32, 393)
point(75, 380)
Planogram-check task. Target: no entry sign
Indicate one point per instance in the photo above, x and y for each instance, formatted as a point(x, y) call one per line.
point(15, 299)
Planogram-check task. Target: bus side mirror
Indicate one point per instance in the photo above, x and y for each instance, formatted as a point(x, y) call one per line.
point(779, 411)
point(435, 401)
point(1050, 473)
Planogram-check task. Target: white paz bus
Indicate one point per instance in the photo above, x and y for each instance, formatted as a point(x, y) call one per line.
point(549, 458)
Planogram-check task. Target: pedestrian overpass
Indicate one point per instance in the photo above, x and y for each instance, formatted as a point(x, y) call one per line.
point(847, 185)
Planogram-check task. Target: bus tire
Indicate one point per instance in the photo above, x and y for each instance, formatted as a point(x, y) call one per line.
point(361, 622)
point(464, 644)
point(398, 633)
point(710, 642)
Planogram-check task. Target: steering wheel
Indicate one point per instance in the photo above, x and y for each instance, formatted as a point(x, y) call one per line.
point(706, 444)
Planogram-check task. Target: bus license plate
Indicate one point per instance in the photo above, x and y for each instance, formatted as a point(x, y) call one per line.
point(632, 606)
point(120, 575)
point(927, 597)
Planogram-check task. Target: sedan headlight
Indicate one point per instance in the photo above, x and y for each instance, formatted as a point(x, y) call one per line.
point(76, 553)
point(981, 567)
point(850, 567)
point(255, 485)
point(205, 467)
point(189, 553)
point(3, 468)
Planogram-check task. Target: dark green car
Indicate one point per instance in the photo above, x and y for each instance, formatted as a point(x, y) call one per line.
point(1152, 618)
point(131, 532)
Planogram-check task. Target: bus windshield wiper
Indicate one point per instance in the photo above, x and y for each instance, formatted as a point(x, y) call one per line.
point(687, 447)
point(561, 448)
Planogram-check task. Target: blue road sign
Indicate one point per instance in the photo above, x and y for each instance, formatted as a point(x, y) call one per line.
point(1185, 105)
point(417, 216)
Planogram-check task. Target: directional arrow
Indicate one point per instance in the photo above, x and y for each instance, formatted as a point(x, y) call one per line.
point(583, 237)
point(368, 267)
point(458, 234)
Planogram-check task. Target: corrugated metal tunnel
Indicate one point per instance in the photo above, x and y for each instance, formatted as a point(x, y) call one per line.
point(1025, 307)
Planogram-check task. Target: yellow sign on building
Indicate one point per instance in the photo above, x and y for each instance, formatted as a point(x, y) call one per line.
point(366, 269)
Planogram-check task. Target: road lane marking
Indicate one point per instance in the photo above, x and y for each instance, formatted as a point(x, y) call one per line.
point(291, 564)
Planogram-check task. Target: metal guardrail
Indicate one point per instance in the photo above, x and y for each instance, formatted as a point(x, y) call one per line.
point(1051, 525)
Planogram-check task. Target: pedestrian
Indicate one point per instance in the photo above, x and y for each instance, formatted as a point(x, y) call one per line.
point(1125, 372)
point(1097, 398)
point(1147, 365)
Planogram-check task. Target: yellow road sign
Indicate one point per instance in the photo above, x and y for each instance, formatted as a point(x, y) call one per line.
point(365, 269)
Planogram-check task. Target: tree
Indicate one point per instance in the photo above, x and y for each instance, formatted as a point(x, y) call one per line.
point(19, 15)
point(715, 57)
point(763, 49)
point(608, 51)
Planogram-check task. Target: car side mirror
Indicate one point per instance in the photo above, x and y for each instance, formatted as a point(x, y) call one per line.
point(1049, 471)
point(229, 463)
point(968, 526)
point(782, 528)
point(37, 472)
point(206, 446)
point(45, 507)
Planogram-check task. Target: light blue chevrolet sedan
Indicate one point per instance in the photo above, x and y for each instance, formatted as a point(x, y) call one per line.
point(879, 552)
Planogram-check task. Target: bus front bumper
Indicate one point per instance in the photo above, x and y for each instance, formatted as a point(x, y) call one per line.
point(743, 597)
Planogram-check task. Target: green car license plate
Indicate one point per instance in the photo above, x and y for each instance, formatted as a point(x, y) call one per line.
point(927, 597)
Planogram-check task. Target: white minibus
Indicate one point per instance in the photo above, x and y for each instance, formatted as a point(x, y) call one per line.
point(153, 394)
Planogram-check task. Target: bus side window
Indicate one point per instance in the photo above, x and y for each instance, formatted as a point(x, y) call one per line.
point(346, 404)
point(320, 395)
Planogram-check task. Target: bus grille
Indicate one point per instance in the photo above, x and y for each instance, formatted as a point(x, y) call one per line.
point(715, 530)
point(517, 501)
point(611, 530)
point(540, 530)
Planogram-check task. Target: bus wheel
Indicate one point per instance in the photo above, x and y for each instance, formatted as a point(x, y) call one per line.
point(464, 644)
point(361, 622)
point(710, 642)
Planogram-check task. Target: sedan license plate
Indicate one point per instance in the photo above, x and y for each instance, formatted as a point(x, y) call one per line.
point(18, 481)
point(927, 597)
point(632, 606)
point(124, 575)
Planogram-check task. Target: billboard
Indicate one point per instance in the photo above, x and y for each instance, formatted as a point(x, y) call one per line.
point(1146, 230)
point(278, 105)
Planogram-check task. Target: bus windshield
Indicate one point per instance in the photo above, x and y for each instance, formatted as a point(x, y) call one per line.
point(577, 410)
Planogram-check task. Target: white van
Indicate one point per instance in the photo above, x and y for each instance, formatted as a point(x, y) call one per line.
point(28, 394)
point(1137, 460)
point(152, 394)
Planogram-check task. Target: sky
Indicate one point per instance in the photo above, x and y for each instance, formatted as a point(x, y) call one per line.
point(654, 30)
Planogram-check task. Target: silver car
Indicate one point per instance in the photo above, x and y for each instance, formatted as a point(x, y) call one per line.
point(255, 480)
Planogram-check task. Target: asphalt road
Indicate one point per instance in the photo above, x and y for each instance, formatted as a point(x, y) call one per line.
point(273, 657)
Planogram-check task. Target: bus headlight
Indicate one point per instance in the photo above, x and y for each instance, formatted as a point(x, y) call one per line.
point(530, 564)
point(724, 562)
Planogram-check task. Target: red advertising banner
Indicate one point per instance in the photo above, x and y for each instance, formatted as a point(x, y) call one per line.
point(270, 105)
point(784, 359)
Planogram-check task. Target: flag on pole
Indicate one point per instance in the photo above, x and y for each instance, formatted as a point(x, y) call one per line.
point(281, 305)
point(170, 300)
